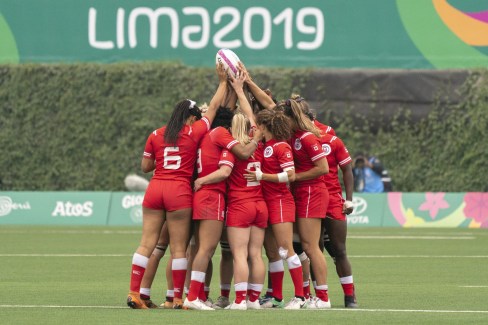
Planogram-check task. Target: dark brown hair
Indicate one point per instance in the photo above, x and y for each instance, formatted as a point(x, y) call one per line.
point(182, 111)
point(276, 122)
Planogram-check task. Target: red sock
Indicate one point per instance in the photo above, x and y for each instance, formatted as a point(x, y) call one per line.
point(225, 290)
point(253, 295)
point(240, 296)
point(136, 277)
point(297, 278)
point(348, 289)
point(306, 289)
point(225, 293)
point(322, 294)
point(277, 284)
point(179, 273)
point(195, 288)
point(201, 295)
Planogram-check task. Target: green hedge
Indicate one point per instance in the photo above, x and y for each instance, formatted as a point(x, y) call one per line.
point(83, 127)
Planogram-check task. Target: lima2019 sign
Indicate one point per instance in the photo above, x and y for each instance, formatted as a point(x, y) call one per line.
point(344, 34)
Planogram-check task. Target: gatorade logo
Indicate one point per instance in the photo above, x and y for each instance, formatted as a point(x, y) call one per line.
point(7, 205)
point(447, 36)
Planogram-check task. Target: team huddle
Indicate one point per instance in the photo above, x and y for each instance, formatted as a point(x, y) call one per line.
point(258, 174)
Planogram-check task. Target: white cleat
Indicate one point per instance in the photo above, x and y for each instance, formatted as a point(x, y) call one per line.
point(320, 304)
point(208, 302)
point(196, 305)
point(295, 303)
point(310, 303)
point(234, 306)
point(253, 305)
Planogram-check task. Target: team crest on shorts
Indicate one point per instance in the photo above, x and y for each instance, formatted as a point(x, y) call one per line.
point(326, 148)
point(298, 144)
point(268, 151)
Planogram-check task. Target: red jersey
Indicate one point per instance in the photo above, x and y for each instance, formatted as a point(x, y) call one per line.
point(306, 150)
point(222, 138)
point(176, 162)
point(209, 159)
point(325, 129)
point(277, 156)
point(337, 155)
point(240, 189)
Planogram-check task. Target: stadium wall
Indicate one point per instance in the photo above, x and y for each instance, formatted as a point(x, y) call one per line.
point(395, 209)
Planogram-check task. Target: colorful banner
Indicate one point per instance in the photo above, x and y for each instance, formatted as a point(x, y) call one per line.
point(409, 34)
point(126, 209)
point(395, 209)
point(54, 208)
point(433, 210)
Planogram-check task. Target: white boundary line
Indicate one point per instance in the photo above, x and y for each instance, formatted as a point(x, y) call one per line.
point(304, 310)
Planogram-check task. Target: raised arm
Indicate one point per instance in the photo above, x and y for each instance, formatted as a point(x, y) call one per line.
point(219, 94)
point(238, 84)
point(258, 93)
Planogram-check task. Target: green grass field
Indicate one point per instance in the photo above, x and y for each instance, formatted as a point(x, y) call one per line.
point(80, 275)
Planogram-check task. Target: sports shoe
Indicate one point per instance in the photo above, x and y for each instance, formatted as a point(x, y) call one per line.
point(234, 306)
point(253, 304)
point(310, 303)
point(273, 303)
point(295, 303)
point(221, 302)
point(265, 299)
point(167, 305)
point(208, 302)
point(149, 303)
point(134, 301)
point(320, 304)
point(350, 301)
point(196, 304)
point(178, 304)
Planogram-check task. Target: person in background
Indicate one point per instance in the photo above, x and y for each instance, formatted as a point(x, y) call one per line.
point(370, 176)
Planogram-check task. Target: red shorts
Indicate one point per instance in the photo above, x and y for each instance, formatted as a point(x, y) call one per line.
point(334, 210)
point(311, 201)
point(281, 209)
point(247, 214)
point(208, 205)
point(168, 195)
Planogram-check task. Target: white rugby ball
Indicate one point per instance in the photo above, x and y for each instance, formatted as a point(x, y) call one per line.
point(229, 60)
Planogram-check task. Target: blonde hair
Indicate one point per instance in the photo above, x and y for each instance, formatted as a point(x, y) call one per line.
point(240, 128)
point(294, 110)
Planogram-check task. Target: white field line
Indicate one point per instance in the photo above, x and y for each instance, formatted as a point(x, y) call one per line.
point(413, 237)
point(351, 256)
point(74, 232)
point(473, 286)
point(304, 310)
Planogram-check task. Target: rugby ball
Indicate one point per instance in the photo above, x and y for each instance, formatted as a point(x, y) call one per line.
point(229, 59)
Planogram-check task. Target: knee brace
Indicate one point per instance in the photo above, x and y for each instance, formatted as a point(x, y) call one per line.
point(225, 246)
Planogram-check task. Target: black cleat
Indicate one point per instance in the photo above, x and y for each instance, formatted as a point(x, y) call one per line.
point(350, 302)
